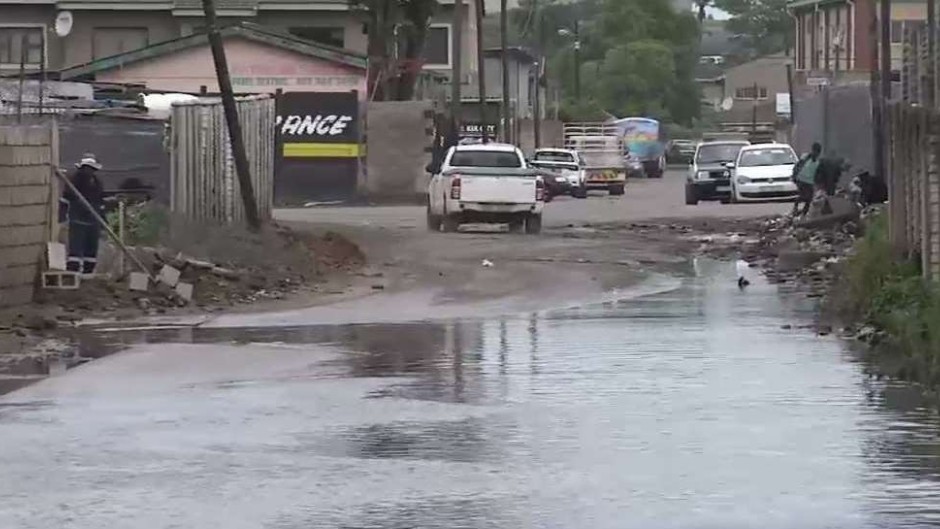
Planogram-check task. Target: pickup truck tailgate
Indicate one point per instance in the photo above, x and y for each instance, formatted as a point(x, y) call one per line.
point(498, 189)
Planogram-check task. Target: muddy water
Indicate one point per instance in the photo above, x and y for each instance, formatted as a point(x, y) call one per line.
point(688, 408)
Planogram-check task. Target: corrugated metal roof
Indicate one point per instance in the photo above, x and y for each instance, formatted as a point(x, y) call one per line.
point(245, 30)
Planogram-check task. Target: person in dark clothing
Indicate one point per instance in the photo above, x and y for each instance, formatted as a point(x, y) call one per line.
point(84, 229)
point(804, 174)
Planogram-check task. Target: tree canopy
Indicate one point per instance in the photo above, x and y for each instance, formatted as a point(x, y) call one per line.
point(765, 25)
point(637, 57)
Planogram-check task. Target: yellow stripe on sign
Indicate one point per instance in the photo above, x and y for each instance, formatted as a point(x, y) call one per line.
point(322, 150)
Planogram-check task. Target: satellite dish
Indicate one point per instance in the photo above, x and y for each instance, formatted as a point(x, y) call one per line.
point(63, 23)
point(727, 104)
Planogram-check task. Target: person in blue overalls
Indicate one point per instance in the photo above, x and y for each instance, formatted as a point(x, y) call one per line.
point(84, 230)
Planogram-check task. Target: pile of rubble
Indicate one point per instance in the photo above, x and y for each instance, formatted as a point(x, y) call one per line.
point(283, 263)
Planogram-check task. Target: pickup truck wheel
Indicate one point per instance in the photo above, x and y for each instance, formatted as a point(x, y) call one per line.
point(434, 221)
point(579, 192)
point(691, 197)
point(616, 190)
point(451, 223)
point(533, 224)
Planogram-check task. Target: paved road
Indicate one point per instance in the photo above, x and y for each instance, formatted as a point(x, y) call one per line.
point(675, 400)
point(644, 200)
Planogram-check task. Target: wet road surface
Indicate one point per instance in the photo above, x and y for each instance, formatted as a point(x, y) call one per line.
point(689, 407)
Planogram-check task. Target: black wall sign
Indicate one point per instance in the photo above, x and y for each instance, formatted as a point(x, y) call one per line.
point(318, 125)
point(476, 129)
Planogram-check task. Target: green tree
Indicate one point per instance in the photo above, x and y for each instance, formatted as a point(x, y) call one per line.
point(407, 22)
point(765, 25)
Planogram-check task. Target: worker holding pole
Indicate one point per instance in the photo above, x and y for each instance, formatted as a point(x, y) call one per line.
point(84, 228)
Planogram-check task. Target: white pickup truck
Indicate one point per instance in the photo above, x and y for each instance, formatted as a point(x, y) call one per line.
point(486, 183)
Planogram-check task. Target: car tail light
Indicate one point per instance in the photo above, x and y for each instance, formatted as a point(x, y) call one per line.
point(539, 190)
point(455, 188)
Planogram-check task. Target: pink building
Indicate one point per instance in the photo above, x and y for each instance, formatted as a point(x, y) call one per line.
point(260, 60)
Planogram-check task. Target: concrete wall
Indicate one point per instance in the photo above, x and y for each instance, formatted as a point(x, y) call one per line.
point(552, 134)
point(26, 193)
point(398, 138)
point(845, 129)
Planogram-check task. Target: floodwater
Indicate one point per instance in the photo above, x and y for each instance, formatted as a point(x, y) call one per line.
point(689, 408)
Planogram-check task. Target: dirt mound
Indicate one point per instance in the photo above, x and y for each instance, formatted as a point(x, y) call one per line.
point(226, 266)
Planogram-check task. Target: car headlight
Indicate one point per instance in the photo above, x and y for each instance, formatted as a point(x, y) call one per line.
point(744, 180)
point(702, 175)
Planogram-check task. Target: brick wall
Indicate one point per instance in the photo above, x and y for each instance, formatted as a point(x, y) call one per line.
point(26, 193)
point(398, 138)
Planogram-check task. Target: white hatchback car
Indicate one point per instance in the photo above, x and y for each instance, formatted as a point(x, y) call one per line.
point(764, 172)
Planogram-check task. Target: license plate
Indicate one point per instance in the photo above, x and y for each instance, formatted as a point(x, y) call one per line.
point(770, 189)
point(723, 188)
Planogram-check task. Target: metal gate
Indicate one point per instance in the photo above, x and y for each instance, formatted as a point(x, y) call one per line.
point(319, 147)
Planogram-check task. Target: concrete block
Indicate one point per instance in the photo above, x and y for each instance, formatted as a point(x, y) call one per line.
point(139, 281)
point(24, 195)
point(16, 296)
point(23, 215)
point(169, 275)
point(55, 256)
point(25, 155)
point(27, 175)
point(25, 135)
point(22, 235)
point(61, 280)
point(20, 255)
point(184, 290)
point(14, 276)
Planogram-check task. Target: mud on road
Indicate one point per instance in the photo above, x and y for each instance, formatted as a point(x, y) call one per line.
point(587, 248)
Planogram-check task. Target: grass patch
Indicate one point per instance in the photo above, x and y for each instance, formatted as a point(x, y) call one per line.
point(891, 296)
point(144, 224)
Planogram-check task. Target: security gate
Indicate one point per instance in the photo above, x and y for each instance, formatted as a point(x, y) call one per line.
point(319, 147)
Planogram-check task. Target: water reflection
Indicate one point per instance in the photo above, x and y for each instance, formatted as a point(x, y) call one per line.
point(690, 408)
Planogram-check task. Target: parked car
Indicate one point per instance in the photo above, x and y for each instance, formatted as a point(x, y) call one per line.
point(564, 170)
point(485, 183)
point(680, 151)
point(709, 176)
point(764, 172)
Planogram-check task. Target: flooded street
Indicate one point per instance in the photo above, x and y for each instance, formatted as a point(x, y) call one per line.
point(691, 406)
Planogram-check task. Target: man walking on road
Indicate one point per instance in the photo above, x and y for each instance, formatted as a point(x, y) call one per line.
point(84, 230)
point(804, 174)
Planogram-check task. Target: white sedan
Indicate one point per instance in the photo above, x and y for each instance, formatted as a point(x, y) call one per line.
point(764, 172)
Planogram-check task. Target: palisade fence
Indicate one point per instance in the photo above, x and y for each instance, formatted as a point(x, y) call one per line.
point(203, 181)
point(912, 128)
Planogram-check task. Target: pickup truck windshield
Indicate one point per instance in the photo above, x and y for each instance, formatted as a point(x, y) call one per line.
point(485, 159)
point(718, 152)
point(554, 157)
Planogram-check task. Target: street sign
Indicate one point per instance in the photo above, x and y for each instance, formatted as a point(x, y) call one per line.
point(783, 104)
point(817, 81)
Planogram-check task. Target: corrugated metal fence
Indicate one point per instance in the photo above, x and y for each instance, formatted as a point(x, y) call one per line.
point(203, 181)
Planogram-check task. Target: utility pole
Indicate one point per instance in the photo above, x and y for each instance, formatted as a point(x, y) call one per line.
point(537, 104)
point(931, 49)
point(754, 115)
point(481, 66)
point(878, 106)
point(457, 57)
point(231, 118)
point(885, 80)
point(504, 62)
point(577, 60)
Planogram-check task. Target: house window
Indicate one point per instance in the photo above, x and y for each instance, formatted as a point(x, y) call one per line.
point(113, 41)
point(748, 93)
point(437, 47)
point(21, 44)
point(331, 36)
